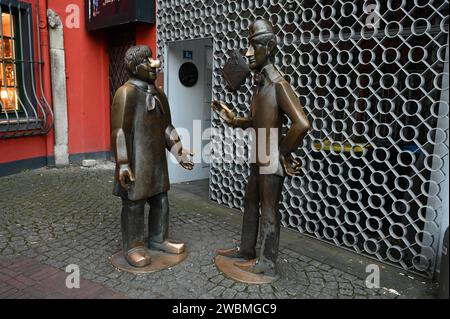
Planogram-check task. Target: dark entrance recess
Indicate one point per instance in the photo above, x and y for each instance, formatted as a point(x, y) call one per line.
point(120, 40)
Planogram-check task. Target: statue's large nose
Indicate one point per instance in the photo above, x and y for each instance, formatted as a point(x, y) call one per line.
point(250, 52)
point(155, 63)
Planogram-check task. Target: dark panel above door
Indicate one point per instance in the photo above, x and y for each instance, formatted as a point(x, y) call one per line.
point(101, 14)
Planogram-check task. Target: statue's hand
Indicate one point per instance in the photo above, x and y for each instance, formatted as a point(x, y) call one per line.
point(125, 175)
point(184, 161)
point(291, 166)
point(224, 112)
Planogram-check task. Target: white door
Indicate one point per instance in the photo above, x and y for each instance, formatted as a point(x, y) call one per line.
point(190, 105)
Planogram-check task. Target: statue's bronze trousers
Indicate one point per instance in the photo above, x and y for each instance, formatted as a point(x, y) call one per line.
point(262, 191)
point(133, 221)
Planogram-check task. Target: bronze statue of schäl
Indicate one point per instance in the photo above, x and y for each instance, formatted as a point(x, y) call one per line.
point(272, 98)
point(141, 131)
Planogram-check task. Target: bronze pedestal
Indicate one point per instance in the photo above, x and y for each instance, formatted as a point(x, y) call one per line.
point(228, 266)
point(159, 261)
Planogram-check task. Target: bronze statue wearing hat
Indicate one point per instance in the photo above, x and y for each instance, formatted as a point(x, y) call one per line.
point(272, 99)
point(141, 131)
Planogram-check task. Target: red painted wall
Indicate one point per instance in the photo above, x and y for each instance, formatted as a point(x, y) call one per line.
point(87, 84)
point(87, 68)
point(22, 148)
point(146, 34)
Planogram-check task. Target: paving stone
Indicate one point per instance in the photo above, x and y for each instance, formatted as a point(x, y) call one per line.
point(227, 283)
point(241, 295)
point(266, 289)
point(217, 291)
point(239, 287)
point(253, 289)
point(217, 279)
point(345, 285)
point(346, 292)
point(281, 295)
point(229, 293)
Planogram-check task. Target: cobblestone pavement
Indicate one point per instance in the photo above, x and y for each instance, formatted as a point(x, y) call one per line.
point(68, 216)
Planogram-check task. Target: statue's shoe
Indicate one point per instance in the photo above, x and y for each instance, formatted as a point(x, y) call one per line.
point(256, 267)
point(235, 253)
point(168, 247)
point(138, 257)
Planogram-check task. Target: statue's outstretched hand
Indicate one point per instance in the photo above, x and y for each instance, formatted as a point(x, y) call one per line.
point(224, 112)
point(291, 165)
point(125, 175)
point(184, 161)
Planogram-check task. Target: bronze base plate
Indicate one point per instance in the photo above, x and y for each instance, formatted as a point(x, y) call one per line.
point(159, 261)
point(230, 270)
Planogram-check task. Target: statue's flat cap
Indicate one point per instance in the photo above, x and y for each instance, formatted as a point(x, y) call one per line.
point(260, 27)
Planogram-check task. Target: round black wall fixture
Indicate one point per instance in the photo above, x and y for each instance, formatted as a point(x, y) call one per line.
point(188, 74)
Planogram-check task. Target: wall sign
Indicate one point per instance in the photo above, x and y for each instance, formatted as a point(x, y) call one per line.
point(188, 55)
point(102, 14)
point(188, 74)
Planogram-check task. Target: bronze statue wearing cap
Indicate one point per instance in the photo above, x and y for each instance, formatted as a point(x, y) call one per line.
point(141, 131)
point(272, 98)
